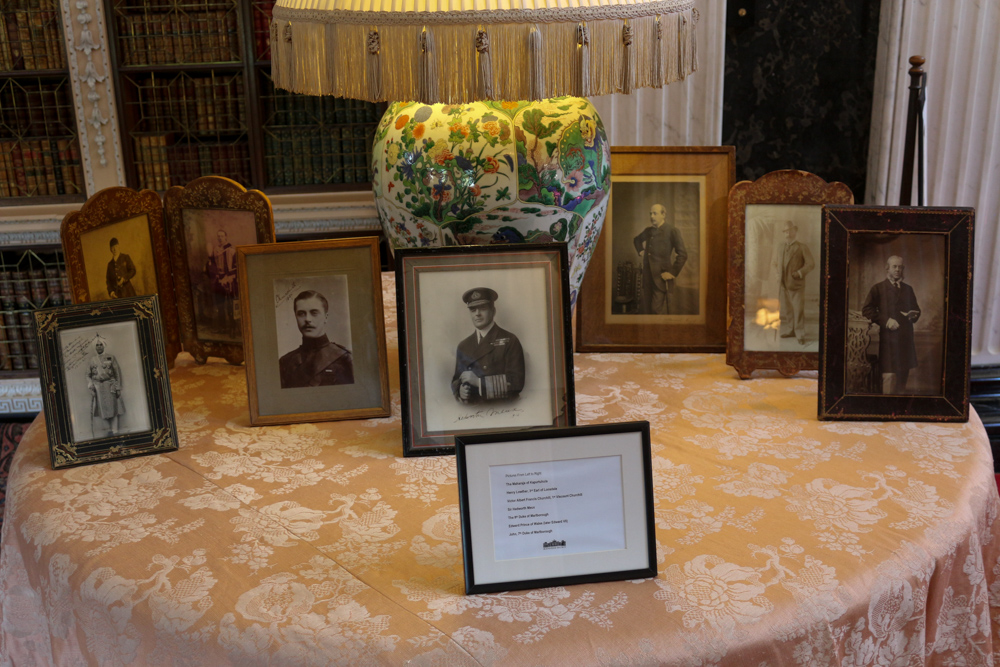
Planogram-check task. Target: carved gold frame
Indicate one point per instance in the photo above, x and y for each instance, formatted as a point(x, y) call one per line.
point(208, 192)
point(107, 207)
point(787, 186)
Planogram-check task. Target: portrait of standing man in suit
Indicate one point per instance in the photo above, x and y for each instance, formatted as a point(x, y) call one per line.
point(796, 262)
point(489, 364)
point(892, 305)
point(663, 256)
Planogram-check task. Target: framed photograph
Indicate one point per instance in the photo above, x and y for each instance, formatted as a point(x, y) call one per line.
point(556, 507)
point(107, 391)
point(657, 278)
point(313, 330)
point(484, 342)
point(206, 220)
point(896, 322)
point(115, 247)
point(775, 229)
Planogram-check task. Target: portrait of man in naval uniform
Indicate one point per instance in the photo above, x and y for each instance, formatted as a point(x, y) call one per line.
point(489, 364)
point(318, 361)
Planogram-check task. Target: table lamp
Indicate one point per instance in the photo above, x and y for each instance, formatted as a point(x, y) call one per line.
point(488, 138)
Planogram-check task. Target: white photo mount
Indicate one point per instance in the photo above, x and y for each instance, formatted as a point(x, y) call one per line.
point(556, 506)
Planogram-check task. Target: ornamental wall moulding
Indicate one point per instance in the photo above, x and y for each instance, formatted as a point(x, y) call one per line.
point(282, 227)
point(93, 96)
point(39, 238)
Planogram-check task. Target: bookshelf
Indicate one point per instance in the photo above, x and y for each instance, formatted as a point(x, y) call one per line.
point(29, 279)
point(195, 97)
point(39, 148)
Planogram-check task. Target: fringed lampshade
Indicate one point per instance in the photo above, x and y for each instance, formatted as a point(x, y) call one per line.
point(458, 51)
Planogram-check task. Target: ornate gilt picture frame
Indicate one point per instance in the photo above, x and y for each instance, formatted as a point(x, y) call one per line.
point(206, 220)
point(106, 390)
point(667, 214)
point(775, 229)
point(116, 246)
point(314, 330)
point(897, 313)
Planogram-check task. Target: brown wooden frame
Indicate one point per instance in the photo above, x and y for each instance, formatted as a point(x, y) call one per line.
point(110, 206)
point(377, 327)
point(841, 225)
point(208, 192)
point(787, 186)
point(593, 333)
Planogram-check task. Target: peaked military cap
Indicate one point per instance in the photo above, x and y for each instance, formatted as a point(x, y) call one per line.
point(477, 296)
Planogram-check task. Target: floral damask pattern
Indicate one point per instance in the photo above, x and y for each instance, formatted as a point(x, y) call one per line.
point(779, 540)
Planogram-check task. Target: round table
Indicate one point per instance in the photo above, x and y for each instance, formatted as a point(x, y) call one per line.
point(781, 540)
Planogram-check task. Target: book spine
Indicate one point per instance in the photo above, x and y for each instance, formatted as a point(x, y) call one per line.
point(26, 325)
point(24, 37)
point(7, 186)
point(175, 46)
point(55, 157)
point(39, 288)
point(53, 286)
point(20, 176)
point(49, 168)
point(161, 157)
point(38, 45)
point(8, 303)
point(315, 135)
point(14, 39)
point(30, 168)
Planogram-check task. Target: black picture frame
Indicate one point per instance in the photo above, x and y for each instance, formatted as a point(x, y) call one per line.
point(480, 457)
point(139, 422)
point(926, 373)
point(530, 292)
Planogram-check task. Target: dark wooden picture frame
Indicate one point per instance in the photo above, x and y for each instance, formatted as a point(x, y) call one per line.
point(83, 385)
point(527, 286)
point(785, 198)
point(190, 210)
point(482, 461)
point(914, 366)
point(692, 184)
point(344, 377)
point(86, 235)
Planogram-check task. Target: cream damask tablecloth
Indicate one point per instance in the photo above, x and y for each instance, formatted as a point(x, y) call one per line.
point(781, 540)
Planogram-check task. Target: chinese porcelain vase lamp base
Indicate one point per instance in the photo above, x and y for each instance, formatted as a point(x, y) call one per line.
point(493, 172)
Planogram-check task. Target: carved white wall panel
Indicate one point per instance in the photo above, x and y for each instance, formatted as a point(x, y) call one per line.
point(959, 39)
point(685, 113)
point(93, 93)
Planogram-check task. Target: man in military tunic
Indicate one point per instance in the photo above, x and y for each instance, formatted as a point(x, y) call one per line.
point(221, 270)
point(120, 273)
point(318, 362)
point(489, 364)
point(104, 382)
point(892, 305)
point(663, 256)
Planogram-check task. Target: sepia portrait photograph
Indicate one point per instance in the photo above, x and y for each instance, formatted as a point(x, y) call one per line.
point(118, 260)
point(896, 313)
point(781, 289)
point(313, 330)
point(484, 340)
point(211, 237)
point(312, 318)
point(657, 271)
point(105, 385)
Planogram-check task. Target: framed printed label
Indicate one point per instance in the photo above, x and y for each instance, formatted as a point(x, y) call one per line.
point(484, 342)
point(556, 506)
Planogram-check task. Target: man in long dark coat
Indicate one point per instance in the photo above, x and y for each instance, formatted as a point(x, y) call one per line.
point(120, 273)
point(892, 305)
point(663, 256)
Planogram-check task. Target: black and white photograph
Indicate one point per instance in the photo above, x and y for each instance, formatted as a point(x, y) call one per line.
point(313, 330)
point(104, 380)
point(896, 301)
point(105, 369)
point(211, 237)
point(656, 271)
point(484, 339)
point(781, 311)
point(118, 260)
point(312, 317)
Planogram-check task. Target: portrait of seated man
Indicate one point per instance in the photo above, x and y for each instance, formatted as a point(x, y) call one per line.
point(318, 361)
point(892, 305)
point(489, 364)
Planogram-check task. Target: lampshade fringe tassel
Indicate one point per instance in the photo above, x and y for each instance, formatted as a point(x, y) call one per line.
point(537, 63)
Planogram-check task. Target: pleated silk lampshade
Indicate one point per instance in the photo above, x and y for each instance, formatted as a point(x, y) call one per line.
point(458, 51)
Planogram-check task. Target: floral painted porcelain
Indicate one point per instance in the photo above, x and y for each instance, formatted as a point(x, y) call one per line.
point(494, 172)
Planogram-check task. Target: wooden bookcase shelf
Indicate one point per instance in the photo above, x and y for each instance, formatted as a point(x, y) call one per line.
point(195, 97)
point(39, 149)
